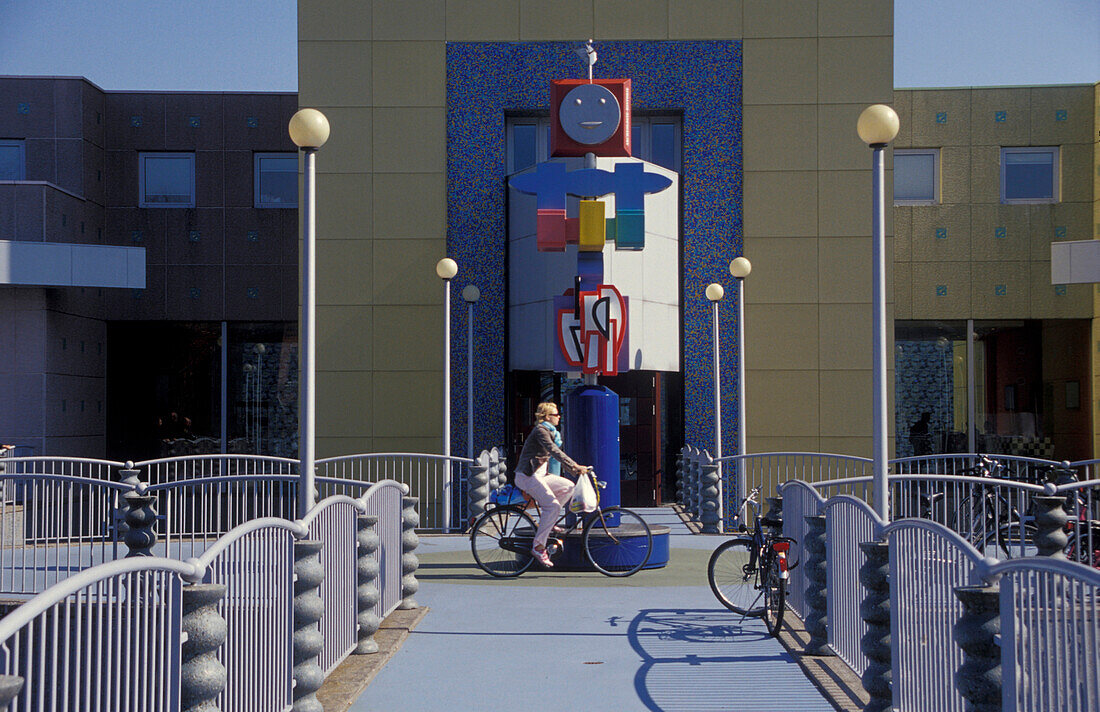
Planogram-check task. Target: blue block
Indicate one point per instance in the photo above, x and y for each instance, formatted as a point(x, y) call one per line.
point(590, 264)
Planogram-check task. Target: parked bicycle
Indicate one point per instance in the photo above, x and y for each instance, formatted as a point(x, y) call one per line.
point(616, 541)
point(989, 519)
point(748, 573)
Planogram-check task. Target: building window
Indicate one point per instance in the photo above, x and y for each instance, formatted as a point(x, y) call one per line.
point(276, 180)
point(1029, 175)
point(916, 176)
point(653, 138)
point(12, 159)
point(167, 180)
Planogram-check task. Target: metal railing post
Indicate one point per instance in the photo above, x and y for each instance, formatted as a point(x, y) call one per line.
point(410, 520)
point(367, 595)
point(874, 574)
point(978, 679)
point(307, 638)
point(202, 676)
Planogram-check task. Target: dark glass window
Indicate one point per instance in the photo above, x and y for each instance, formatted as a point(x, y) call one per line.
point(1029, 175)
point(276, 180)
point(12, 160)
point(167, 180)
point(915, 176)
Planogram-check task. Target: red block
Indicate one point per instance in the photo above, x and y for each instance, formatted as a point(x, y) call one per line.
point(550, 231)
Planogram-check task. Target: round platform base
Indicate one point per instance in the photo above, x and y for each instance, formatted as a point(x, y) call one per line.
point(572, 556)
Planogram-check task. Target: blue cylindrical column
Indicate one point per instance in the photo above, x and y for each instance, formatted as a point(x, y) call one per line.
point(592, 436)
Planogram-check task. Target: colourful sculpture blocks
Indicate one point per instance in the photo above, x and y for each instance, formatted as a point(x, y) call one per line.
point(592, 226)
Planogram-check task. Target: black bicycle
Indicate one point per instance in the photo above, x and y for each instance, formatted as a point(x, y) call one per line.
point(501, 538)
point(989, 519)
point(748, 573)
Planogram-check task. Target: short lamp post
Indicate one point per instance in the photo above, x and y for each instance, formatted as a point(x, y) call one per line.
point(715, 292)
point(877, 126)
point(309, 130)
point(446, 269)
point(470, 294)
point(740, 268)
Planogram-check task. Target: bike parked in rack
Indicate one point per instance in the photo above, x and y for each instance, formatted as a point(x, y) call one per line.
point(989, 519)
point(748, 574)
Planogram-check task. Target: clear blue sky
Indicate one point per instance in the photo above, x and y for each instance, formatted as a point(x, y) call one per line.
point(249, 45)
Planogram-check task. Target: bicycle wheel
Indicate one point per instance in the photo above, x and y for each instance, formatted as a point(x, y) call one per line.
point(501, 541)
point(617, 551)
point(734, 576)
point(1011, 541)
point(775, 597)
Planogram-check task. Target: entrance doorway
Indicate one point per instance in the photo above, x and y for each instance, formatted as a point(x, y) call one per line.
point(651, 429)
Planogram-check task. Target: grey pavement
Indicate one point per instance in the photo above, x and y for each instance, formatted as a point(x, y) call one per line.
point(581, 641)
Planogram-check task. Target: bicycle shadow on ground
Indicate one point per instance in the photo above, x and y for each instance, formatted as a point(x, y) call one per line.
point(713, 659)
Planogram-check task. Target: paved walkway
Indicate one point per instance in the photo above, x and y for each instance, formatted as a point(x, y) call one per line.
point(581, 641)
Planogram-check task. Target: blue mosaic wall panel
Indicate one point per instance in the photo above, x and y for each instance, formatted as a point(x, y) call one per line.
point(486, 80)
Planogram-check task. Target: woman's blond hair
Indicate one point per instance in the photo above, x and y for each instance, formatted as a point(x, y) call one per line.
point(544, 410)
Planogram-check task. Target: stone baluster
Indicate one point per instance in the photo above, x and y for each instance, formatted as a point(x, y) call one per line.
point(129, 475)
point(141, 518)
point(410, 520)
point(202, 676)
point(692, 504)
point(874, 574)
point(494, 469)
point(10, 685)
point(477, 488)
point(307, 640)
point(817, 571)
point(978, 679)
point(680, 476)
point(367, 570)
point(774, 516)
point(1050, 521)
point(709, 497)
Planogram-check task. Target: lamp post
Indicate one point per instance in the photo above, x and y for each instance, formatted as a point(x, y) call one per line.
point(470, 295)
point(740, 268)
point(446, 268)
point(308, 130)
point(715, 294)
point(877, 126)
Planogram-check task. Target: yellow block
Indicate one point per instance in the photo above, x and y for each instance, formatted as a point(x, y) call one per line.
point(592, 226)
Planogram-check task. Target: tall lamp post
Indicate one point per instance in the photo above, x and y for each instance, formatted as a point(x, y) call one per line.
point(877, 126)
point(446, 268)
point(470, 295)
point(740, 268)
point(715, 294)
point(308, 130)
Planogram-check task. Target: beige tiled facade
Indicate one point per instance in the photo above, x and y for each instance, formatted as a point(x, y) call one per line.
point(378, 71)
point(973, 257)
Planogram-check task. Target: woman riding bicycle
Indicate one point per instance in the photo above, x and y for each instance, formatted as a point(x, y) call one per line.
point(550, 491)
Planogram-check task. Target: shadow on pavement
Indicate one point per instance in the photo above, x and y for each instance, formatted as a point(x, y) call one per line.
point(708, 659)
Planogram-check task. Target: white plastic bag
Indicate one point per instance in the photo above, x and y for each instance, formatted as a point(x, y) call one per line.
point(584, 495)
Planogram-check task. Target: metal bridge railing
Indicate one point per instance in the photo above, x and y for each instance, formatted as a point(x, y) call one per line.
point(139, 633)
point(1045, 607)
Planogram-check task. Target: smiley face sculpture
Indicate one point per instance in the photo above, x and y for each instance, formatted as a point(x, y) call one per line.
point(590, 116)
